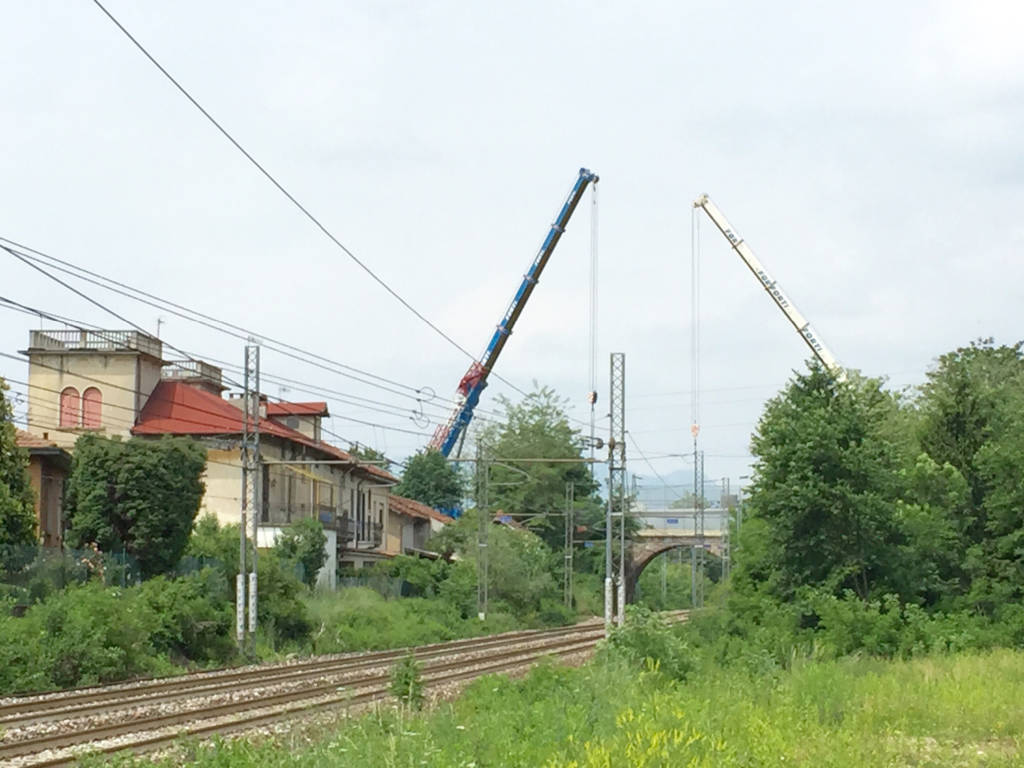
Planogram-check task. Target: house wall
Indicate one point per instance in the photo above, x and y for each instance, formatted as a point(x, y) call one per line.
point(223, 479)
point(124, 379)
point(329, 492)
point(394, 532)
point(307, 425)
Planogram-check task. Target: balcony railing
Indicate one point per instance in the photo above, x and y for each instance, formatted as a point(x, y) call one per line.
point(178, 370)
point(66, 340)
point(371, 536)
point(351, 534)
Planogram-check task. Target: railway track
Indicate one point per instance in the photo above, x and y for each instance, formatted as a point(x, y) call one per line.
point(53, 729)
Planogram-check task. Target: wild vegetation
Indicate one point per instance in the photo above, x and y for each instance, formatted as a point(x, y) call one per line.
point(152, 589)
point(887, 522)
point(17, 518)
point(857, 711)
point(873, 616)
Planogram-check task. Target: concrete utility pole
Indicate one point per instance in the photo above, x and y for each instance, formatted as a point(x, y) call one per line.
point(483, 470)
point(570, 499)
point(252, 482)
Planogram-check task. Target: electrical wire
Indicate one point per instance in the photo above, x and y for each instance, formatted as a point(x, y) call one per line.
point(419, 394)
point(280, 187)
point(646, 460)
point(110, 385)
point(294, 201)
point(394, 409)
point(178, 310)
point(138, 327)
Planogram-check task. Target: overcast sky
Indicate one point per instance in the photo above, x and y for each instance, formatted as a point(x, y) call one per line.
point(870, 153)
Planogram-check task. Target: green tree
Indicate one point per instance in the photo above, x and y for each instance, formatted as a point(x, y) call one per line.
point(538, 427)
point(964, 407)
point(17, 501)
point(304, 542)
point(971, 423)
point(931, 556)
point(825, 487)
point(430, 479)
point(139, 495)
point(521, 568)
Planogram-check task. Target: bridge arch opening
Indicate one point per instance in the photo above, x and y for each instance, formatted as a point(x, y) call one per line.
point(642, 554)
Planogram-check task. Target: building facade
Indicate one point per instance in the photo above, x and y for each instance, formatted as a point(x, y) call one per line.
point(116, 383)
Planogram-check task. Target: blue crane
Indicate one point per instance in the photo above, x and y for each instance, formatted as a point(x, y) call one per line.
point(472, 384)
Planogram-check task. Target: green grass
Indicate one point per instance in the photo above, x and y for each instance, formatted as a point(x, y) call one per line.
point(956, 710)
point(360, 619)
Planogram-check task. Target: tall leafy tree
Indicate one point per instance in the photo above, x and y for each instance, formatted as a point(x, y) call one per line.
point(964, 407)
point(430, 479)
point(971, 420)
point(825, 488)
point(138, 495)
point(538, 427)
point(17, 501)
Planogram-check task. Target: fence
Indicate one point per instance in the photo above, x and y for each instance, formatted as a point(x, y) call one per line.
point(30, 573)
point(388, 586)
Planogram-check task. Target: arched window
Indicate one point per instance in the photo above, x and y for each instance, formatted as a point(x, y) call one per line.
point(69, 402)
point(92, 406)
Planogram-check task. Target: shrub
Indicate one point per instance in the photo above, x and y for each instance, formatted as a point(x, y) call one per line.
point(195, 616)
point(647, 639)
point(407, 681)
point(282, 615)
point(423, 577)
point(81, 636)
point(303, 543)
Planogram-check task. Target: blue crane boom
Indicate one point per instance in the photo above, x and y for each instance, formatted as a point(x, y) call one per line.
point(473, 382)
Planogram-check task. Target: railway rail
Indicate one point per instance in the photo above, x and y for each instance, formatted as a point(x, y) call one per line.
point(53, 729)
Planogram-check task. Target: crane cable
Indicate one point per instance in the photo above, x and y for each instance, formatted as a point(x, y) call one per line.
point(592, 395)
point(694, 326)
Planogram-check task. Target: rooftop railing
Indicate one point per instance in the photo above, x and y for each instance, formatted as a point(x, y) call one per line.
point(191, 369)
point(100, 341)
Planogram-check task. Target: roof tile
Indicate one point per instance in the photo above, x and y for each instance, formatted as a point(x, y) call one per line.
point(179, 408)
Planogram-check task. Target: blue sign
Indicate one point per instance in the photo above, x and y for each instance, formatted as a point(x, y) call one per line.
point(588, 545)
point(672, 521)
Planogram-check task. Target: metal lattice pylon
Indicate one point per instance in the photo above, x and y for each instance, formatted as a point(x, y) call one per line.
point(617, 474)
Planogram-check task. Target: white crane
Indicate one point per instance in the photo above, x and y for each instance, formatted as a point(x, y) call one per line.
point(794, 315)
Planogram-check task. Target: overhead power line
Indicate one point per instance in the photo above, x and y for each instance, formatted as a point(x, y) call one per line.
point(422, 395)
point(646, 460)
point(291, 198)
point(343, 397)
point(170, 346)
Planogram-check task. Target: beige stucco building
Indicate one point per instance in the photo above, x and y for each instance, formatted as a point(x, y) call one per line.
point(116, 383)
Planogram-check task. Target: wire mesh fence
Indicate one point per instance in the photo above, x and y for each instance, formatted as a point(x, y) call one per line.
point(29, 573)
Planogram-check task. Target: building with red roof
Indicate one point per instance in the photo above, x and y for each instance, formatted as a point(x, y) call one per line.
point(426, 521)
point(116, 383)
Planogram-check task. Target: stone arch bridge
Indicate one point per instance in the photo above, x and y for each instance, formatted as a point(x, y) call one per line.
point(661, 536)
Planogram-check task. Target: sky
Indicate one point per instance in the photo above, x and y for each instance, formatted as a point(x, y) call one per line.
point(869, 153)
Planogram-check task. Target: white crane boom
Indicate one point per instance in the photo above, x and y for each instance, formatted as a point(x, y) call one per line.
point(794, 315)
